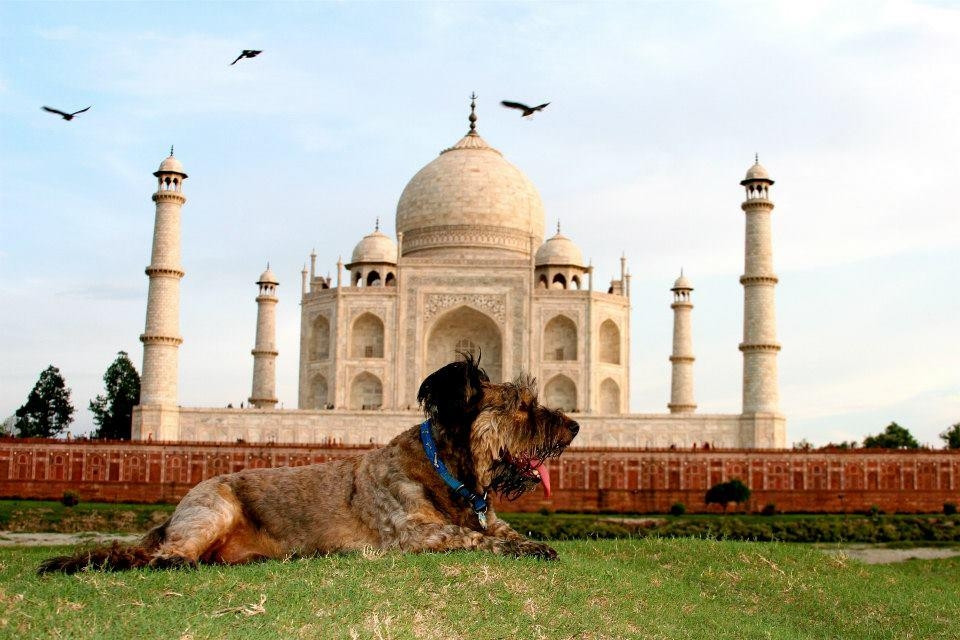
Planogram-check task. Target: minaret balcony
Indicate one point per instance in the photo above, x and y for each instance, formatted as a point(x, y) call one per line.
point(769, 347)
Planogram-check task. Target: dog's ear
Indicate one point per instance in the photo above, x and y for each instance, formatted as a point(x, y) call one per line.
point(451, 394)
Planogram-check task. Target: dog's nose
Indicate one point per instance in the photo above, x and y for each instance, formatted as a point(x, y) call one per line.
point(574, 427)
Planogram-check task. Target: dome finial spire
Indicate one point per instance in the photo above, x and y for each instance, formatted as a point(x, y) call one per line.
point(376, 226)
point(473, 112)
point(171, 151)
point(558, 226)
point(756, 158)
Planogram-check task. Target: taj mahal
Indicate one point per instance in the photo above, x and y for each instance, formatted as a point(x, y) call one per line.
point(471, 269)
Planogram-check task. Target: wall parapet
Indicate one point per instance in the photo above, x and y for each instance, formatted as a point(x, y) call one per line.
point(628, 480)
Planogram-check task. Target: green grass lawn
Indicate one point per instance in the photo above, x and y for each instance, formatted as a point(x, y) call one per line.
point(649, 588)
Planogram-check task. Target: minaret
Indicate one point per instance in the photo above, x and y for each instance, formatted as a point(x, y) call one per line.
point(264, 393)
point(681, 384)
point(159, 415)
point(760, 347)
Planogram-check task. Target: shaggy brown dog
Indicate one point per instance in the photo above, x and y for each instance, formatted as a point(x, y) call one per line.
point(491, 437)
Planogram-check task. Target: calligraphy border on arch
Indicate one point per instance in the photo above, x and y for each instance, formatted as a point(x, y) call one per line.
point(491, 304)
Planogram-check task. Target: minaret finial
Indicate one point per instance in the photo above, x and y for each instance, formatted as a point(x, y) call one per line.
point(558, 226)
point(681, 272)
point(268, 265)
point(171, 151)
point(473, 112)
point(376, 226)
point(756, 158)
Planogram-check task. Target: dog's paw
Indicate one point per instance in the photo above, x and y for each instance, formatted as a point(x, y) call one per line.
point(529, 549)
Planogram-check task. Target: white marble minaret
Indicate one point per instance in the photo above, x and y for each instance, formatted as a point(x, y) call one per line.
point(264, 393)
point(760, 347)
point(681, 383)
point(159, 414)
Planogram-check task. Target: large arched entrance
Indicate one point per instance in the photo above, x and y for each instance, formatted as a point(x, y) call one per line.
point(468, 330)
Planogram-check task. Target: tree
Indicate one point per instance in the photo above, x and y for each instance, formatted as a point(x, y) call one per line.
point(726, 492)
point(952, 436)
point(47, 411)
point(112, 413)
point(893, 437)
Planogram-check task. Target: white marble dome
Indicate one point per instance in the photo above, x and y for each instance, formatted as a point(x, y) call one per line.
point(171, 165)
point(375, 247)
point(470, 198)
point(757, 172)
point(268, 277)
point(683, 283)
point(559, 250)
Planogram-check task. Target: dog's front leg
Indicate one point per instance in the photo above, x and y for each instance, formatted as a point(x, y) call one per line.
point(500, 529)
point(449, 537)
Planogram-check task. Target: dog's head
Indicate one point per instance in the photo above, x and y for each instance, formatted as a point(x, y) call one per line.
point(507, 432)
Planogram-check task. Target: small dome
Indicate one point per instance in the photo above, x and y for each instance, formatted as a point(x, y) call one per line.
point(376, 247)
point(683, 283)
point(267, 277)
point(559, 250)
point(756, 173)
point(171, 165)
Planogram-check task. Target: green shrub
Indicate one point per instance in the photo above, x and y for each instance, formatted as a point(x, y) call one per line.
point(70, 498)
point(677, 509)
point(724, 493)
point(949, 508)
point(800, 529)
point(769, 509)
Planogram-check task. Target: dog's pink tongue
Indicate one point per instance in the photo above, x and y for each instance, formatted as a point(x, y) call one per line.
point(544, 476)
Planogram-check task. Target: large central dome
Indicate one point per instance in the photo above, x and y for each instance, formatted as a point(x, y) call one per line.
point(470, 201)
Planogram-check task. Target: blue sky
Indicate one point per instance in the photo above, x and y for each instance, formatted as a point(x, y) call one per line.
point(656, 112)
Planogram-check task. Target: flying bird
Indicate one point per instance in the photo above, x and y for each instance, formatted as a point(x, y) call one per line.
point(66, 116)
point(527, 111)
point(246, 53)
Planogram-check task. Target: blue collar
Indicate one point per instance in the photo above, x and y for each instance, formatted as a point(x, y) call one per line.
point(478, 503)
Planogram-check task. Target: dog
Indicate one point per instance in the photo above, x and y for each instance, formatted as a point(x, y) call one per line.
point(425, 491)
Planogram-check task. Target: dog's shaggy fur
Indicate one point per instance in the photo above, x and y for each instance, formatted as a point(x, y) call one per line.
point(491, 437)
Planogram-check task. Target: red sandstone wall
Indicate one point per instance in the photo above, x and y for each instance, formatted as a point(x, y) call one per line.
point(616, 480)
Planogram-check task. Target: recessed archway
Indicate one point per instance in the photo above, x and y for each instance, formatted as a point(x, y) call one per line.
point(318, 392)
point(320, 339)
point(560, 393)
point(465, 326)
point(366, 337)
point(560, 339)
point(609, 396)
point(366, 392)
point(609, 342)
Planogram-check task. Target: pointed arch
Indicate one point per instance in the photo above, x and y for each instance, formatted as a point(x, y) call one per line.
point(366, 392)
point(609, 342)
point(458, 326)
point(319, 392)
point(559, 282)
point(320, 338)
point(560, 339)
point(609, 396)
point(560, 393)
point(366, 337)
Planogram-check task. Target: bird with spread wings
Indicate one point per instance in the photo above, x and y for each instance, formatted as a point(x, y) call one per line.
point(65, 116)
point(246, 53)
point(527, 111)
